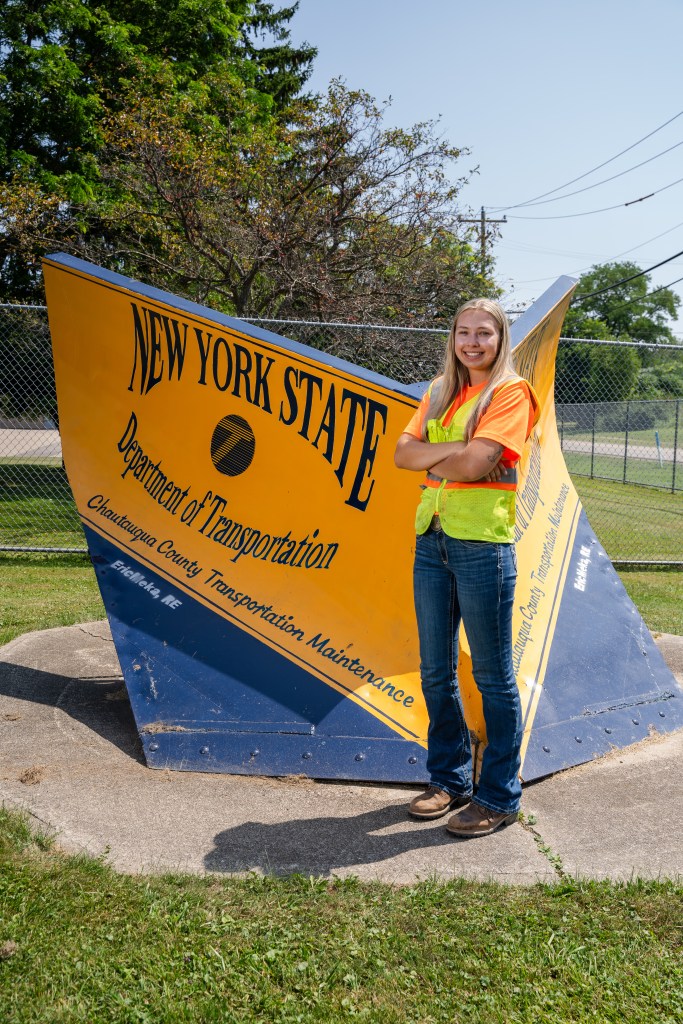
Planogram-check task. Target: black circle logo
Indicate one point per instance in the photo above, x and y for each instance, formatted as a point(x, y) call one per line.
point(232, 446)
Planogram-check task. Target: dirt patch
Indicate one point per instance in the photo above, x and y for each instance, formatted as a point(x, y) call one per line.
point(120, 694)
point(32, 776)
point(156, 727)
point(296, 780)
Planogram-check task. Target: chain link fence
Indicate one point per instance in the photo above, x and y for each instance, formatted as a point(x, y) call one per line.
point(625, 454)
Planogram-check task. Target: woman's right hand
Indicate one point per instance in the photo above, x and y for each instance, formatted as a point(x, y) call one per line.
point(495, 474)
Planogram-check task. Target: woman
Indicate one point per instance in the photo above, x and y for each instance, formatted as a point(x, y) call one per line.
point(468, 435)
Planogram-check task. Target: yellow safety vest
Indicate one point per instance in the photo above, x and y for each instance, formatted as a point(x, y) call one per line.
point(470, 511)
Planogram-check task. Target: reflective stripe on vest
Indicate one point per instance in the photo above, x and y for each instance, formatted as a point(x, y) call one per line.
point(469, 511)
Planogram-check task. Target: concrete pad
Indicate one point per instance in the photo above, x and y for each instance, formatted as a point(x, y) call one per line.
point(71, 756)
point(618, 817)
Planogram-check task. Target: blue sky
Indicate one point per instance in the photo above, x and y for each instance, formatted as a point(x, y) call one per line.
point(539, 93)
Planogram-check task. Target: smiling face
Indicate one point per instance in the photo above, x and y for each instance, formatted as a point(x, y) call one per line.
point(476, 340)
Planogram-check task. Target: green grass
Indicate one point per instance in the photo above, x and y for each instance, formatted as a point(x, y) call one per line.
point(633, 522)
point(42, 591)
point(82, 943)
point(79, 943)
point(644, 472)
point(666, 431)
point(37, 508)
point(657, 596)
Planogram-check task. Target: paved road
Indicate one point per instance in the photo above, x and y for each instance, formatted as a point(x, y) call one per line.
point(30, 444)
point(21, 444)
point(635, 451)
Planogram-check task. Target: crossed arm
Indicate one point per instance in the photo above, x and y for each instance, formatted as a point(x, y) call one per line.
point(452, 460)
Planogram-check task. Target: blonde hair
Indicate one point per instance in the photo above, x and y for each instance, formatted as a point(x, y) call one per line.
point(455, 376)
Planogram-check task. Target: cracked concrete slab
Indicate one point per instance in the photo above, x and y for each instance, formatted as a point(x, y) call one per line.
point(617, 817)
point(71, 757)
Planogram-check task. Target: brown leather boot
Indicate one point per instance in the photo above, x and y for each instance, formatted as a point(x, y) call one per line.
point(434, 803)
point(475, 820)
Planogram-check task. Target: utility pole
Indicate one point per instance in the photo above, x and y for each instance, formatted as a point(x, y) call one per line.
point(482, 221)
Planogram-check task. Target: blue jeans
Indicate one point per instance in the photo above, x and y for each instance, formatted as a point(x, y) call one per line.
point(473, 581)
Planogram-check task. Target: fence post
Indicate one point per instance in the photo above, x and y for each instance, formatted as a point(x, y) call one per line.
point(628, 408)
point(673, 475)
point(593, 442)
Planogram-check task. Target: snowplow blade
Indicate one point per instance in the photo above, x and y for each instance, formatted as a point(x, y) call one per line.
point(253, 542)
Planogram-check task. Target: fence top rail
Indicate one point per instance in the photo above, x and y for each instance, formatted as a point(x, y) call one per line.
point(340, 323)
point(19, 305)
point(622, 344)
point(386, 327)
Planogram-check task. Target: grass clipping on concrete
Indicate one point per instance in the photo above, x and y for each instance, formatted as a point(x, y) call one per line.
point(82, 943)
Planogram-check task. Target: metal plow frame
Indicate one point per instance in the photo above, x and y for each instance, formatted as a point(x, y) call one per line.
point(190, 437)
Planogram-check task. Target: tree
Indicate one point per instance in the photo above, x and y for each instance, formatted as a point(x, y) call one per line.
point(324, 213)
point(173, 145)
point(628, 311)
point(65, 65)
point(586, 372)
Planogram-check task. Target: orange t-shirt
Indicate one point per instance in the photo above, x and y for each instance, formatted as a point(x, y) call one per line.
point(508, 420)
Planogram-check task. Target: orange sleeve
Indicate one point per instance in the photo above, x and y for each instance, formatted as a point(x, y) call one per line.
point(509, 419)
point(417, 420)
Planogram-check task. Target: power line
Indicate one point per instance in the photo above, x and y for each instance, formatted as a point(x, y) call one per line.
point(641, 298)
point(604, 181)
point(640, 246)
point(630, 302)
point(661, 288)
point(482, 221)
point(603, 209)
point(592, 266)
point(632, 277)
point(499, 209)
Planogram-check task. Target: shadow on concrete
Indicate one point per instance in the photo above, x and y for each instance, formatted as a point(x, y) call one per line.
point(100, 704)
point(321, 846)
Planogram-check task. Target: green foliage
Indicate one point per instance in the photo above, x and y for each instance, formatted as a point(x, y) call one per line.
point(326, 212)
point(65, 65)
point(629, 311)
point(170, 141)
point(595, 373)
point(62, 63)
point(663, 378)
